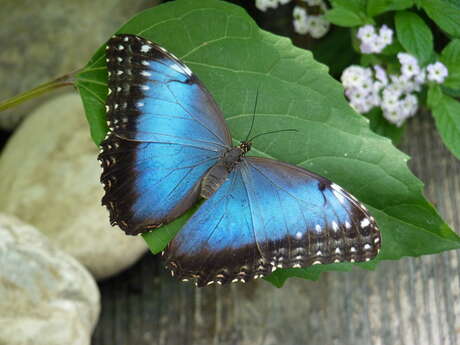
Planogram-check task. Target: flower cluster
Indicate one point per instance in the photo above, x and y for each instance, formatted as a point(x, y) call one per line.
point(371, 42)
point(315, 25)
point(304, 22)
point(394, 94)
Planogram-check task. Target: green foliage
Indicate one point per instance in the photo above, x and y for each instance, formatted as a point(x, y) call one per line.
point(414, 35)
point(376, 7)
point(445, 13)
point(348, 13)
point(434, 95)
point(450, 57)
point(446, 112)
point(233, 58)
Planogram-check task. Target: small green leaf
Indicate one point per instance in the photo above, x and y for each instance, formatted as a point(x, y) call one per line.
point(414, 35)
point(376, 7)
point(344, 17)
point(450, 57)
point(233, 58)
point(381, 126)
point(446, 112)
point(445, 13)
point(434, 95)
point(348, 13)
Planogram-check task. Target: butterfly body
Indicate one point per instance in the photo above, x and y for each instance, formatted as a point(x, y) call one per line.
point(168, 147)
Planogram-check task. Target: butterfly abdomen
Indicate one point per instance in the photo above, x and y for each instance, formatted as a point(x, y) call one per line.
point(217, 175)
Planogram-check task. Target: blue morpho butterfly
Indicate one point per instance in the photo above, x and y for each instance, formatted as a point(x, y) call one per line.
point(168, 146)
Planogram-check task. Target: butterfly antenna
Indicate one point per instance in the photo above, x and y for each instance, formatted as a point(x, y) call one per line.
point(253, 115)
point(271, 132)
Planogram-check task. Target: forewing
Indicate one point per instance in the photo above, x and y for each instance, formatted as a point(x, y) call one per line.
point(165, 132)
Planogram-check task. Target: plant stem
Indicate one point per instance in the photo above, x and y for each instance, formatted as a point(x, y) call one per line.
point(65, 80)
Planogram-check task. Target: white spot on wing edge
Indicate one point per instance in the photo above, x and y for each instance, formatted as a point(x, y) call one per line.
point(364, 223)
point(145, 48)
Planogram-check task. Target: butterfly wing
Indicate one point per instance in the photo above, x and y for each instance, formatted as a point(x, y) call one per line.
point(165, 132)
point(269, 215)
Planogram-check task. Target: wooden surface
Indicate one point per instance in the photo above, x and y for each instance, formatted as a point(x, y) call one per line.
point(411, 301)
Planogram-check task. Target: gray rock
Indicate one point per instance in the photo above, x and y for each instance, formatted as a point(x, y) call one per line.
point(47, 297)
point(50, 179)
point(42, 40)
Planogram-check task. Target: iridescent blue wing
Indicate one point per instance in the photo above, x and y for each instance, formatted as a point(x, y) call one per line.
point(165, 132)
point(269, 215)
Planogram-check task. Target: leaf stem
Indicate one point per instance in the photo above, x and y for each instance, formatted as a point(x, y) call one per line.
point(64, 80)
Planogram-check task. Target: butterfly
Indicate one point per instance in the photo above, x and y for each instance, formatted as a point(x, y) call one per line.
point(168, 147)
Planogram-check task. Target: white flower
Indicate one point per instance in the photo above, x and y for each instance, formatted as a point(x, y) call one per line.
point(361, 105)
point(371, 42)
point(409, 105)
point(405, 58)
point(377, 45)
point(409, 65)
point(403, 84)
point(366, 33)
point(318, 26)
point(390, 100)
point(299, 13)
point(355, 76)
point(437, 72)
point(284, 2)
point(263, 5)
point(394, 116)
point(386, 35)
point(374, 97)
point(300, 22)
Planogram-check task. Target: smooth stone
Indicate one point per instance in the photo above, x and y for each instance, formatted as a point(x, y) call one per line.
point(42, 40)
point(46, 296)
point(50, 179)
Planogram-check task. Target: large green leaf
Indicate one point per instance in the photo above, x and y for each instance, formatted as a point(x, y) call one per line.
point(414, 35)
point(234, 58)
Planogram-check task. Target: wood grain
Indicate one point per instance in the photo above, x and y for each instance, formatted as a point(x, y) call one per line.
point(411, 301)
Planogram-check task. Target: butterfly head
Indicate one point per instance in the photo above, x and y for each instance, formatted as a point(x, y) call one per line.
point(245, 147)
